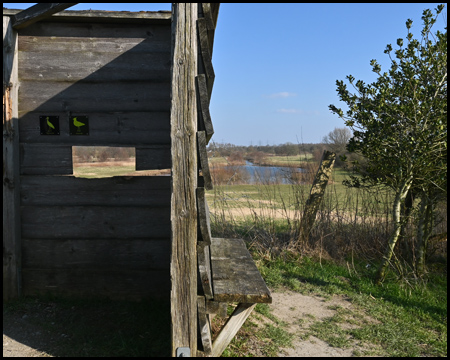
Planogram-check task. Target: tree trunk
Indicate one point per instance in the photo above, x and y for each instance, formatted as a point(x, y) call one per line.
point(398, 201)
point(316, 195)
point(424, 229)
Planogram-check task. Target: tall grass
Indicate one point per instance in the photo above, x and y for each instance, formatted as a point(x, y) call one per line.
point(351, 223)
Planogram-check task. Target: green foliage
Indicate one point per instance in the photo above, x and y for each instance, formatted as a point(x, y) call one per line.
point(399, 125)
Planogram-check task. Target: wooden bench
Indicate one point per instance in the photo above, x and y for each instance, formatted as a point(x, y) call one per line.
point(234, 278)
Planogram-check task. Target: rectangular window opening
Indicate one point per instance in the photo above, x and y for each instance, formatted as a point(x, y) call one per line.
point(103, 161)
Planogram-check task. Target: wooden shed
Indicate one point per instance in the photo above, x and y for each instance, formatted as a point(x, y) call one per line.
point(103, 78)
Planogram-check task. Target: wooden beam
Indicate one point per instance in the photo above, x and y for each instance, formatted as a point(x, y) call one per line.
point(37, 12)
point(203, 217)
point(232, 326)
point(205, 116)
point(206, 54)
point(204, 268)
point(204, 326)
point(183, 267)
point(201, 141)
point(11, 198)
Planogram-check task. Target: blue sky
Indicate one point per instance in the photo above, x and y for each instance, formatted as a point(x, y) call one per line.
point(276, 65)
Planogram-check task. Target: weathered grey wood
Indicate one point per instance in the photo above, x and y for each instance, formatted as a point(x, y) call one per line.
point(97, 66)
point(107, 129)
point(210, 13)
point(203, 218)
point(45, 159)
point(204, 326)
point(201, 141)
point(215, 307)
point(316, 195)
point(86, 97)
point(232, 326)
point(118, 284)
point(37, 12)
point(94, 222)
point(100, 16)
point(153, 157)
point(206, 55)
point(204, 267)
point(149, 191)
point(96, 254)
point(11, 181)
point(184, 178)
point(205, 118)
point(235, 275)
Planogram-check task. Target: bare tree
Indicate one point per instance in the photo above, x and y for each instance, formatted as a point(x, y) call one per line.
point(337, 139)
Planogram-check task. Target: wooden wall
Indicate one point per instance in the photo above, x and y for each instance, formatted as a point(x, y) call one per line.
point(106, 236)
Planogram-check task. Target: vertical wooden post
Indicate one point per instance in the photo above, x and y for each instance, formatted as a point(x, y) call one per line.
point(316, 195)
point(11, 199)
point(183, 267)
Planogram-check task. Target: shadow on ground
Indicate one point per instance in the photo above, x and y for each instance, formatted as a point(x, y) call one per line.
point(63, 327)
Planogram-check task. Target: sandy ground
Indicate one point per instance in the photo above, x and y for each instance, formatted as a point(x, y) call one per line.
point(297, 310)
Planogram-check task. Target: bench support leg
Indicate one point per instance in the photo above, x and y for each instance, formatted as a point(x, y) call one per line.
point(231, 327)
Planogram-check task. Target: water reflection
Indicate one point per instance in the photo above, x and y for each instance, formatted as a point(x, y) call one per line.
point(269, 174)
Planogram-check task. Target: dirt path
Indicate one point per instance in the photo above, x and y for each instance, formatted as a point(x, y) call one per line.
point(23, 338)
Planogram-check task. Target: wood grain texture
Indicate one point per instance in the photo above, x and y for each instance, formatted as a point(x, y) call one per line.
point(107, 129)
point(153, 157)
point(204, 267)
point(235, 275)
point(11, 181)
point(231, 327)
point(149, 191)
point(204, 327)
point(119, 284)
point(184, 178)
point(98, 222)
point(203, 218)
point(205, 116)
point(96, 254)
point(45, 159)
point(205, 54)
point(201, 141)
point(37, 12)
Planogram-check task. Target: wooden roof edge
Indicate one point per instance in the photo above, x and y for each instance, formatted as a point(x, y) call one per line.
point(102, 15)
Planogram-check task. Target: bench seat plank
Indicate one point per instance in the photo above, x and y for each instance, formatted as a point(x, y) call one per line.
point(235, 276)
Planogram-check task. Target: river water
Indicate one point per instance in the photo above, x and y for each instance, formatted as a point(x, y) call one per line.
point(269, 174)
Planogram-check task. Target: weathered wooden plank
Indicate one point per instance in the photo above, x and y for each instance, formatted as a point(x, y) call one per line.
point(151, 191)
point(203, 218)
point(235, 275)
point(11, 181)
point(97, 66)
point(37, 12)
point(84, 96)
point(184, 178)
point(102, 16)
point(119, 284)
point(206, 55)
point(232, 326)
point(205, 118)
point(92, 222)
point(210, 13)
point(204, 267)
point(107, 129)
point(153, 157)
point(45, 159)
point(96, 254)
point(204, 326)
point(201, 141)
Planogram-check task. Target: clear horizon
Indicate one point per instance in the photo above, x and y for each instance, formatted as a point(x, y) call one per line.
point(276, 65)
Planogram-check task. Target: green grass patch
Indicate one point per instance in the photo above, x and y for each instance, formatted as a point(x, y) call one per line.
point(409, 319)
